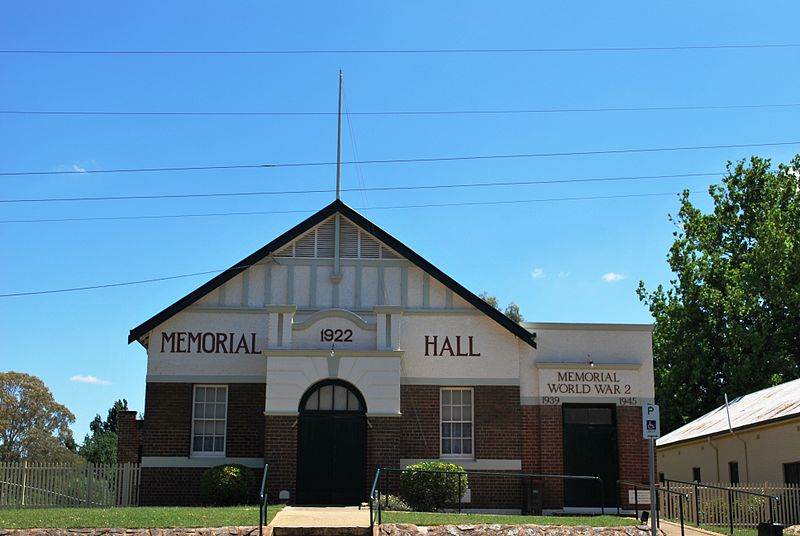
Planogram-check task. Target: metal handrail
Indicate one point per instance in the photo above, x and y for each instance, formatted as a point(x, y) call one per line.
point(376, 483)
point(372, 497)
point(731, 491)
point(262, 495)
point(646, 485)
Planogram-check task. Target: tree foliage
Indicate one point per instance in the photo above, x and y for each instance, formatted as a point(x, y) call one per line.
point(511, 311)
point(33, 426)
point(101, 445)
point(729, 323)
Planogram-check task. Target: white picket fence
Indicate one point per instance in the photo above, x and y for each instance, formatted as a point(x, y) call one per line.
point(710, 506)
point(24, 484)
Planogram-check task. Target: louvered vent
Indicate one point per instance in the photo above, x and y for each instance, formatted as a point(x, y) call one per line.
point(287, 251)
point(348, 236)
point(369, 248)
point(353, 243)
point(325, 240)
point(387, 253)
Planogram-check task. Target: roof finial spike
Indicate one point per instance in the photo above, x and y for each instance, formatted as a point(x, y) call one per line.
point(339, 143)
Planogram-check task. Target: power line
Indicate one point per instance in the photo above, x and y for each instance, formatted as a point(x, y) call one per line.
point(407, 160)
point(402, 112)
point(361, 189)
point(108, 285)
point(393, 207)
point(276, 52)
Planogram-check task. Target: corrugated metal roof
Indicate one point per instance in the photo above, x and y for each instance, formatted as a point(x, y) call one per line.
point(762, 406)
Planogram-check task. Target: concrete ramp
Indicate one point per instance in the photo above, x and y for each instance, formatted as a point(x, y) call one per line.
point(321, 521)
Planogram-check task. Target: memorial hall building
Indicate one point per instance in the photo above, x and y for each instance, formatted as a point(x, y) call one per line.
point(335, 350)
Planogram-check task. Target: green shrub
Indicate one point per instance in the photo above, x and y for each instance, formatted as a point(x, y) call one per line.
point(227, 485)
point(395, 504)
point(429, 492)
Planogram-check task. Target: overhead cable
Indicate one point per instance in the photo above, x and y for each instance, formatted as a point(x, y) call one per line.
point(279, 52)
point(360, 189)
point(404, 160)
point(394, 207)
point(518, 111)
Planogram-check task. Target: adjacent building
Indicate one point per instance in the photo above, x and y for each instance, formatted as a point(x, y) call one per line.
point(335, 349)
point(755, 439)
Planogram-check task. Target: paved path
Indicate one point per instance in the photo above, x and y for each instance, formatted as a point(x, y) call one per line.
point(674, 529)
point(322, 516)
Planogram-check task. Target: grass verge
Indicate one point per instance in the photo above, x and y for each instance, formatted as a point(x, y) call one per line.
point(427, 519)
point(142, 517)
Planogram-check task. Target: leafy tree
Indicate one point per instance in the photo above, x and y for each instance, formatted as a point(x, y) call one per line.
point(33, 426)
point(729, 323)
point(101, 445)
point(511, 310)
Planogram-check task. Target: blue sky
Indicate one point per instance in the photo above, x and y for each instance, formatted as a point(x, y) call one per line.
point(549, 257)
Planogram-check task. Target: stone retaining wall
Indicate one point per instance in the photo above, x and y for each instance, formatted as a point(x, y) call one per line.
point(391, 529)
point(225, 531)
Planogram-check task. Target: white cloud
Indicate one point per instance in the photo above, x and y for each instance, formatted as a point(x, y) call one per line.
point(89, 379)
point(537, 273)
point(612, 277)
point(564, 275)
point(79, 169)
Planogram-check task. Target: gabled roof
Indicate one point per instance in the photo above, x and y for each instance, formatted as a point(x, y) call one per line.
point(340, 207)
point(768, 405)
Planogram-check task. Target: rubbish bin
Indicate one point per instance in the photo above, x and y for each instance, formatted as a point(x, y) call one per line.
point(532, 497)
point(770, 529)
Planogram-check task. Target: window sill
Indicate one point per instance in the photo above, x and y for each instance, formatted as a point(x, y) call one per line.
point(207, 455)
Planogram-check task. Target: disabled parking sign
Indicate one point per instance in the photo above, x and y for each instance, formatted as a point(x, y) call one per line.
point(651, 425)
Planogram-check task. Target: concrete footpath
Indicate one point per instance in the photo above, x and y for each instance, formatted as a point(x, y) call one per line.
point(320, 521)
point(674, 529)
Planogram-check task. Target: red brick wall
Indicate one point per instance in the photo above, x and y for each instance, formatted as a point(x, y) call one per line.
point(280, 452)
point(419, 405)
point(633, 455)
point(181, 486)
point(129, 439)
point(383, 446)
point(245, 428)
point(551, 439)
point(496, 428)
point(168, 419)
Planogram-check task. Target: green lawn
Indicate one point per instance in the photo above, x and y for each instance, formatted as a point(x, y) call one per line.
point(727, 530)
point(132, 518)
point(420, 518)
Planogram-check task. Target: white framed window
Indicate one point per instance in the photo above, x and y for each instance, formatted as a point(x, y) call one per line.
point(209, 411)
point(458, 417)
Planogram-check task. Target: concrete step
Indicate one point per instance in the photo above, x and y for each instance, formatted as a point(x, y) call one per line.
point(321, 531)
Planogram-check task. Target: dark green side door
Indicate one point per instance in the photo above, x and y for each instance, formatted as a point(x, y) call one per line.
point(590, 449)
point(331, 448)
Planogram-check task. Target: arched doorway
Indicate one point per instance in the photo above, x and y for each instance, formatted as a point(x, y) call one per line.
point(331, 444)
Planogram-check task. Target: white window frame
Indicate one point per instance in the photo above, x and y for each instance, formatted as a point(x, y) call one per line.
point(471, 455)
point(202, 454)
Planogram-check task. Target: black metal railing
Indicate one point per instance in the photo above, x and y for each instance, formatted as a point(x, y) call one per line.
point(646, 486)
point(262, 505)
point(730, 491)
point(375, 502)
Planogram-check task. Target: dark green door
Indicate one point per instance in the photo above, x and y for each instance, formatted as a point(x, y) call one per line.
point(590, 449)
point(331, 445)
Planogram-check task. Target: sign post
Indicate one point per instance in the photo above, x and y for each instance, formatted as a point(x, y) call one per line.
point(651, 430)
